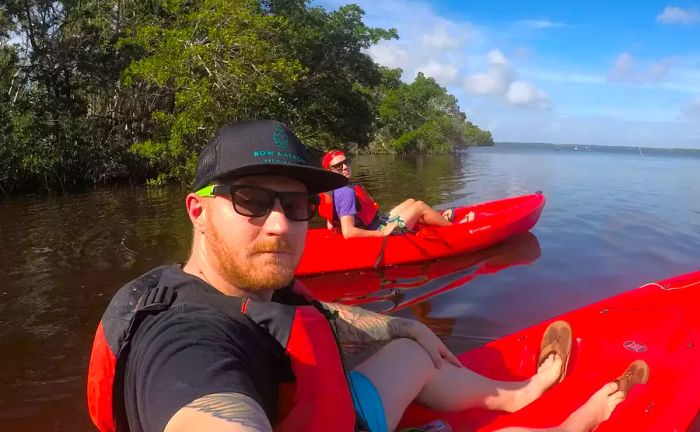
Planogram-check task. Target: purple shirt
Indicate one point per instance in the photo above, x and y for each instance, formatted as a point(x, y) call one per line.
point(344, 200)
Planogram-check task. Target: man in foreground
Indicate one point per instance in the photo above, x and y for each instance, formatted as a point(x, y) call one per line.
point(228, 342)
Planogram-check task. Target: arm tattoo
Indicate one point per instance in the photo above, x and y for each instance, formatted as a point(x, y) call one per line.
point(357, 325)
point(233, 408)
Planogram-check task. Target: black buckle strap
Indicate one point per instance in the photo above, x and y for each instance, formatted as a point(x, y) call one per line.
point(156, 299)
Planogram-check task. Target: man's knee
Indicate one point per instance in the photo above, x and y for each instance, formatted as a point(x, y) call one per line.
point(410, 201)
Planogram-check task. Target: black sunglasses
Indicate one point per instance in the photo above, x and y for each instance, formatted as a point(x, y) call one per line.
point(339, 165)
point(255, 201)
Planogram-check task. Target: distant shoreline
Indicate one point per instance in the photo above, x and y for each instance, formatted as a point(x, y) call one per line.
point(600, 148)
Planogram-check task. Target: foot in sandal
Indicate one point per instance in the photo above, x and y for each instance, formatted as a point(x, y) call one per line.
point(552, 362)
point(600, 406)
point(448, 214)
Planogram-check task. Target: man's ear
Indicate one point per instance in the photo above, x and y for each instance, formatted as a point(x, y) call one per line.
point(196, 210)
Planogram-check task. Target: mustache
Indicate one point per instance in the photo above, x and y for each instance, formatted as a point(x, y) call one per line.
point(272, 245)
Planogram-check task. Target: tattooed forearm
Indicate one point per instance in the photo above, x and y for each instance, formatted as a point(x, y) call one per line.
point(233, 408)
point(357, 325)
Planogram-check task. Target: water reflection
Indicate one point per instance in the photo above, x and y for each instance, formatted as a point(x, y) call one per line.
point(411, 287)
point(435, 179)
point(63, 258)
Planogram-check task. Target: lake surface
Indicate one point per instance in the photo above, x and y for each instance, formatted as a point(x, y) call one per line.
point(613, 221)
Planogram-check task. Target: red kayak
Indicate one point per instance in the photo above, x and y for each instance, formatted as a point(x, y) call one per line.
point(429, 279)
point(327, 251)
point(658, 323)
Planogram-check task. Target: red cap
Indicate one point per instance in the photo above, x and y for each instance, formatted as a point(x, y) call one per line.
point(328, 157)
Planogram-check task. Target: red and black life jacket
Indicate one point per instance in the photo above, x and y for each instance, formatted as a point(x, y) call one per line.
point(318, 400)
point(367, 208)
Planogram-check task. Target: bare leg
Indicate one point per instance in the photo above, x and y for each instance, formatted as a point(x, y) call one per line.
point(418, 211)
point(402, 207)
point(402, 372)
point(595, 411)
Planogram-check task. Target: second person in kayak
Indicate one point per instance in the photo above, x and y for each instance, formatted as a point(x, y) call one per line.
point(351, 209)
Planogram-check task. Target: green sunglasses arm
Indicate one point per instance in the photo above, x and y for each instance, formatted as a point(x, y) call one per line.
point(206, 191)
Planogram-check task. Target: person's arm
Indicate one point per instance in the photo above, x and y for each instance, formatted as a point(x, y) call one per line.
point(347, 226)
point(221, 412)
point(357, 325)
point(344, 200)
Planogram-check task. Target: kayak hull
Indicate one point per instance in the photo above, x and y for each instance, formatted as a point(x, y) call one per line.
point(327, 251)
point(367, 286)
point(658, 323)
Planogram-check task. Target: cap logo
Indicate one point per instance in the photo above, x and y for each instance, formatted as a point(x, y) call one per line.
point(280, 138)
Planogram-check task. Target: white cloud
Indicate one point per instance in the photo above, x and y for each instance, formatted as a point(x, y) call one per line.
point(542, 23)
point(683, 80)
point(443, 73)
point(659, 70)
point(624, 70)
point(441, 39)
point(676, 15)
point(495, 80)
point(691, 110)
point(427, 41)
point(389, 54)
point(496, 57)
point(588, 107)
point(522, 53)
point(524, 94)
point(498, 80)
point(564, 76)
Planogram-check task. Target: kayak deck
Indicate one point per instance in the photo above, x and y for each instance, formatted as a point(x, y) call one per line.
point(327, 251)
point(659, 323)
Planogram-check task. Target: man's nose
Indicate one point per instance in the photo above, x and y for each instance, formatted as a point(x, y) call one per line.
point(276, 222)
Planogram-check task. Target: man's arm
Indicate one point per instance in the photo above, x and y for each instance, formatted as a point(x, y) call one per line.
point(221, 412)
point(344, 202)
point(357, 325)
point(349, 230)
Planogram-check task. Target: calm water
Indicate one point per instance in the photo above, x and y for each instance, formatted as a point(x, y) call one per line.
point(612, 222)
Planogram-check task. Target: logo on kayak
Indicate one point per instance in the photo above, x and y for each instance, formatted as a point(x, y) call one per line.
point(634, 346)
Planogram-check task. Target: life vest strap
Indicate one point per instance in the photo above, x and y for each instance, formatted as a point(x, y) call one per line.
point(156, 299)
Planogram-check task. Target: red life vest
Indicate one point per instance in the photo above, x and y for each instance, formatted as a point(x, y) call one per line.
point(318, 400)
point(367, 208)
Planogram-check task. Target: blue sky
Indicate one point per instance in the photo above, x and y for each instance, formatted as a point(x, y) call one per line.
point(562, 72)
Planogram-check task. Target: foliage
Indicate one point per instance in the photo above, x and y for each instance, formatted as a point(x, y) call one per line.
point(422, 117)
point(124, 90)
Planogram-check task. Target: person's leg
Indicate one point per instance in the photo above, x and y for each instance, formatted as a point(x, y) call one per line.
point(596, 410)
point(419, 211)
point(401, 207)
point(402, 372)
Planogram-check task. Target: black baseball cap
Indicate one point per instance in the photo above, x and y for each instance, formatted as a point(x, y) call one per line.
point(261, 147)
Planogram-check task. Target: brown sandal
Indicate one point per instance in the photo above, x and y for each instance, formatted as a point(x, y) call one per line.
point(557, 339)
point(448, 214)
point(636, 373)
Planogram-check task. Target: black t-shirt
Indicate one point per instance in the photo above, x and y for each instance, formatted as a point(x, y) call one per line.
point(190, 351)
